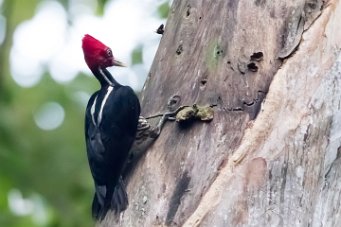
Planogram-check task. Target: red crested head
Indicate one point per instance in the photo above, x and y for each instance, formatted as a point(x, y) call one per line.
point(96, 54)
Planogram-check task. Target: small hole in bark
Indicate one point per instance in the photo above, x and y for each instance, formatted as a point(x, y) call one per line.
point(228, 62)
point(188, 11)
point(179, 50)
point(199, 18)
point(173, 102)
point(258, 56)
point(203, 82)
point(248, 104)
point(252, 67)
point(220, 52)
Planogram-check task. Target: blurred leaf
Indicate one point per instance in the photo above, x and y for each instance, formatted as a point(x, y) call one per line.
point(100, 7)
point(50, 163)
point(163, 10)
point(20, 10)
point(14, 12)
point(136, 55)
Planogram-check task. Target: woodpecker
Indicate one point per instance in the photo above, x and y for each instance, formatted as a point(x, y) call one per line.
point(111, 122)
point(108, 130)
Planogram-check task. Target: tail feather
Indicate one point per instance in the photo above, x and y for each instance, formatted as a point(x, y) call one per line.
point(96, 208)
point(119, 201)
point(104, 200)
point(98, 202)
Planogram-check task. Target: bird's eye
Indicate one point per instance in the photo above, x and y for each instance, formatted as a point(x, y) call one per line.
point(109, 53)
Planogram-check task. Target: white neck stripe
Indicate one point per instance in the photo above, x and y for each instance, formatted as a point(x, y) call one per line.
point(92, 111)
point(104, 76)
point(110, 88)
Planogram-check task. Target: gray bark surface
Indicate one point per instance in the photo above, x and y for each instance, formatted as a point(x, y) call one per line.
point(271, 155)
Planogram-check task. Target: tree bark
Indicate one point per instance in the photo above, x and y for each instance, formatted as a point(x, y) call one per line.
point(271, 155)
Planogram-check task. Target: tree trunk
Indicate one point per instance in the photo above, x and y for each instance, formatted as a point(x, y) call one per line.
point(270, 156)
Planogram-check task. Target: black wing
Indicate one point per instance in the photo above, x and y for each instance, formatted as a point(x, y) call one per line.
point(109, 141)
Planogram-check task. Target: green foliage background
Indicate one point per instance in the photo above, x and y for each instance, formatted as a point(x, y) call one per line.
point(50, 164)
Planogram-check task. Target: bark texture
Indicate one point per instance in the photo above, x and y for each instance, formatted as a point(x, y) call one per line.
point(271, 155)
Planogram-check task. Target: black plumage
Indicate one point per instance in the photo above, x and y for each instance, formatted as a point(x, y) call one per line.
point(115, 133)
point(111, 122)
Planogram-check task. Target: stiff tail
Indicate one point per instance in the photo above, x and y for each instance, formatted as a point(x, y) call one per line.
point(119, 201)
point(96, 208)
point(105, 200)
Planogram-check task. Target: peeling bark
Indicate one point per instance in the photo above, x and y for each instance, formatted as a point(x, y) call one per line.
point(271, 155)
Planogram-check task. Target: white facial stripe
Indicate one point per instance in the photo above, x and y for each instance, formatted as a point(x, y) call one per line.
point(104, 76)
point(92, 111)
point(110, 88)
